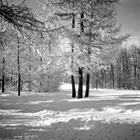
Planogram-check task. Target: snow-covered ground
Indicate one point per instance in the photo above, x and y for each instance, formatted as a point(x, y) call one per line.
point(105, 115)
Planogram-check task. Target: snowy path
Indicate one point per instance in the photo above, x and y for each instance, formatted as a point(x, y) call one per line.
point(105, 115)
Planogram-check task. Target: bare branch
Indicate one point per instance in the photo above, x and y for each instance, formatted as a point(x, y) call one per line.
point(20, 16)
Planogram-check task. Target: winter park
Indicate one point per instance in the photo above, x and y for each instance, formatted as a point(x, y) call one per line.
point(69, 70)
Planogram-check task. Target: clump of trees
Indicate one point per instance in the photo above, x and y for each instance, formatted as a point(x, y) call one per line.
point(28, 51)
point(33, 57)
point(29, 64)
point(93, 34)
point(123, 73)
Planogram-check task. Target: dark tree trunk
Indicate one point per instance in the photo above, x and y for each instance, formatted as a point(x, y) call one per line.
point(30, 68)
point(72, 51)
point(41, 75)
point(105, 78)
point(73, 87)
point(3, 73)
point(123, 73)
point(80, 89)
point(80, 71)
point(102, 73)
point(12, 79)
point(135, 76)
point(72, 77)
point(19, 79)
point(30, 85)
point(18, 63)
point(96, 80)
point(73, 21)
point(87, 85)
point(89, 53)
point(81, 23)
point(112, 75)
point(3, 83)
point(135, 67)
point(3, 68)
point(119, 73)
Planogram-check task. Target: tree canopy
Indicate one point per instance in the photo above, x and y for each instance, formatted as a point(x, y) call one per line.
point(20, 16)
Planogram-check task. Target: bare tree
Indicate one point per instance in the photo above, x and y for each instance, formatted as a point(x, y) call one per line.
point(3, 64)
point(20, 16)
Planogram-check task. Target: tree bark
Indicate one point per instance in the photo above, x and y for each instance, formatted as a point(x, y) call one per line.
point(105, 78)
point(3, 72)
point(102, 73)
point(3, 68)
point(88, 74)
point(119, 73)
point(41, 75)
point(80, 71)
point(73, 86)
point(18, 63)
point(135, 66)
point(80, 89)
point(89, 53)
point(87, 85)
point(19, 79)
point(30, 68)
point(72, 77)
point(112, 75)
point(72, 58)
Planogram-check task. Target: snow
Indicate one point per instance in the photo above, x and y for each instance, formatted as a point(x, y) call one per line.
point(105, 115)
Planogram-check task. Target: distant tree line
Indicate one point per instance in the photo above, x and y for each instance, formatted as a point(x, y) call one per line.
point(123, 73)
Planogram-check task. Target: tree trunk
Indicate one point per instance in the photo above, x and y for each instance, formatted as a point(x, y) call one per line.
point(80, 71)
point(3, 83)
point(19, 79)
point(112, 75)
point(87, 85)
point(30, 68)
point(123, 82)
point(80, 89)
point(73, 87)
point(18, 63)
point(89, 53)
point(30, 85)
point(105, 78)
point(72, 58)
point(135, 67)
point(102, 73)
point(72, 77)
point(119, 73)
point(41, 75)
point(3, 73)
point(96, 80)
point(135, 75)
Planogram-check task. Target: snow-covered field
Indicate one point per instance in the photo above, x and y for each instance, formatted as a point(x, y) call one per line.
point(105, 115)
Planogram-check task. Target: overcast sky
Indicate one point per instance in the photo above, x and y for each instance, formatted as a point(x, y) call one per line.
point(128, 15)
